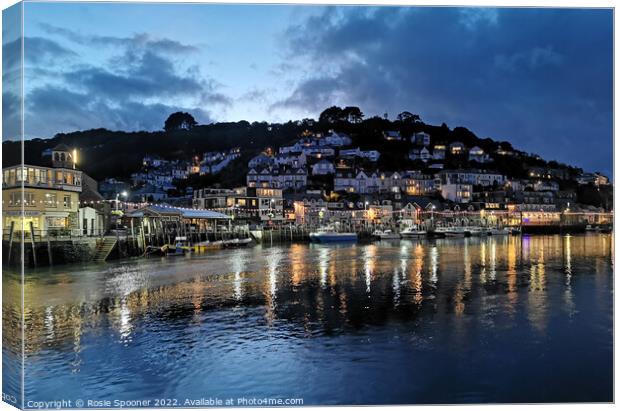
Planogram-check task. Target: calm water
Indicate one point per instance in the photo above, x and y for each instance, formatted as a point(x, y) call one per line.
point(515, 319)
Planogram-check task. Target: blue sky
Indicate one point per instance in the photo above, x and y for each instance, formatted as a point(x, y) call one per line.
point(540, 78)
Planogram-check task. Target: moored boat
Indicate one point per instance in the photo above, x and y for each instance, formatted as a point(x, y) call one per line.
point(454, 231)
point(498, 231)
point(330, 235)
point(386, 235)
point(413, 232)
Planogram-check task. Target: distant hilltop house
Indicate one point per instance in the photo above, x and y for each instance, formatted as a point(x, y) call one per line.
point(477, 154)
point(372, 155)
point(420, 154)
point(439, 152)
point(421, 139)
point(593, 178)
point(549, 172)
point(295, 160)
point(214, 162)
point(336, 139)
point(392, 135)
point(323, 167)
point(457, 148)
point(261, 160)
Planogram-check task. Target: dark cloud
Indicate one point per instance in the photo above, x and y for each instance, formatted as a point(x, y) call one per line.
point(541, 78)
point(139, 86)
point(137, 41)
point(53, 109)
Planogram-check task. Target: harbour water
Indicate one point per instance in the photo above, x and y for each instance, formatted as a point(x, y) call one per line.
point(467, 320)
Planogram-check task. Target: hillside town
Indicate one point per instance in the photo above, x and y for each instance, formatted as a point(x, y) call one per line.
point(318, 179)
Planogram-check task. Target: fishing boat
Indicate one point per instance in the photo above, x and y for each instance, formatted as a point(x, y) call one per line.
point(515, 230)
point(330, 235)
point(386, 235)
point(413, 232)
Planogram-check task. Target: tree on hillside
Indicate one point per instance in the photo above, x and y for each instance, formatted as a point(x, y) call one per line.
point(331, 115)
point(180, 121)
point(352, 115)
point(407, 117)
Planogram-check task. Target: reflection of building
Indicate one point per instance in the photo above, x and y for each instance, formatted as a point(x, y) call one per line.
point(50, 196)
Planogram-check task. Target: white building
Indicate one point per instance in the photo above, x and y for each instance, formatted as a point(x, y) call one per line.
point(337, 139)
point(473, 177)
point(261, 160)
point(322, 168)
point(457, 148)
point(439, 152)
point(273, 177)
point(90, 221)
point(295, 160)
point(372, 155)
point(459, 193)
point(421, 139)
point(392, 135)
point(478, 154)
point(420, 154)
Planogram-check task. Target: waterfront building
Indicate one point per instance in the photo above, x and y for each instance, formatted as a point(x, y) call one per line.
point(543, 201)
point(49, 200)
point(257, 204)
point(211, 198)
point(418, 184)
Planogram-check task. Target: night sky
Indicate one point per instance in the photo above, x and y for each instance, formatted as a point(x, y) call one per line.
point(539, 78)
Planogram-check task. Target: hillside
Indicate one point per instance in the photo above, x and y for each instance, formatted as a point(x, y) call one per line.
point(104, 153)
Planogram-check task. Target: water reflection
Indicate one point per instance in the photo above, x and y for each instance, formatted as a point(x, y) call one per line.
point(305, 292)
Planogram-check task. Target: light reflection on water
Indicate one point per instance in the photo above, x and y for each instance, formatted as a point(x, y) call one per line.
point(500, 319)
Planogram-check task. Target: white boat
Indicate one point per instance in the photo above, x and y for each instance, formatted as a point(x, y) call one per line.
point(454, 232)
point(386, 235)
point(330, 235)
point(475, 231)
point(412, 232)
point(498, 231)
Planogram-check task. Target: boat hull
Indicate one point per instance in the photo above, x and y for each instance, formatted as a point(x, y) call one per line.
point(334, 238)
